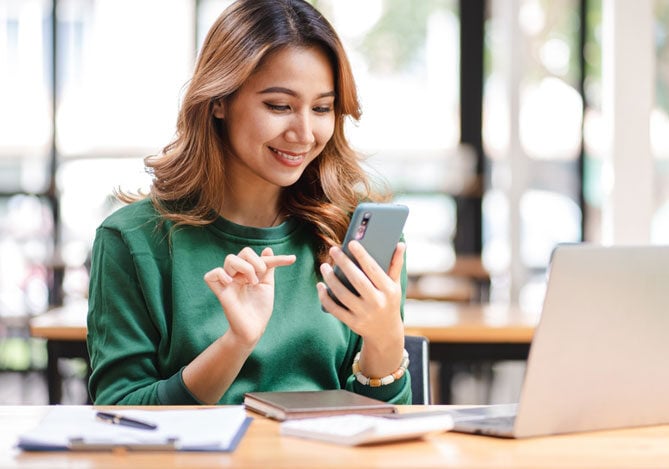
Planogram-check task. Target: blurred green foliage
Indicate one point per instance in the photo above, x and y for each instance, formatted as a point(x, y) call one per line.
point(396, 41)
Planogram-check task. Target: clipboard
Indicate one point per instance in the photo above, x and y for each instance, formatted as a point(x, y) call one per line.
point(82, 444)
point(76, 428)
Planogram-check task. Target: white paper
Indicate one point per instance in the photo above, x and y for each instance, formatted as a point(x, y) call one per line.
point(191, 429)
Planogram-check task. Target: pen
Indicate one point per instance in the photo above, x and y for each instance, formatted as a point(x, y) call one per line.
point(116, 419)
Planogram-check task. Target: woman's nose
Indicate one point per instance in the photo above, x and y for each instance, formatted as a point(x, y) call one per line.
point(301, 129)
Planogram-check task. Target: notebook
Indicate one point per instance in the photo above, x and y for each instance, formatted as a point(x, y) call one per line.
point(302, 404)
point(598, 356)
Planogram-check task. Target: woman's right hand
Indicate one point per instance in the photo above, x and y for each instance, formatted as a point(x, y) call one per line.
point(244, 286)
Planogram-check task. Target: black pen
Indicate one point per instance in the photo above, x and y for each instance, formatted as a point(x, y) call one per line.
point(121, 420)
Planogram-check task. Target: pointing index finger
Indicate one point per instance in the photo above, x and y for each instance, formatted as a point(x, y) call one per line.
point(278, 261)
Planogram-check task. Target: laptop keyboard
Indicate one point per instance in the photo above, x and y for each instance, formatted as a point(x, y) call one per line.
point(485, 412)
point(497, 422)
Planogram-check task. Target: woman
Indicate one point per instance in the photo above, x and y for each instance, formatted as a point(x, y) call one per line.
point(254, 194)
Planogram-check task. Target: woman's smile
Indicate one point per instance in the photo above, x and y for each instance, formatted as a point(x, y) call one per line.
point(290, 158)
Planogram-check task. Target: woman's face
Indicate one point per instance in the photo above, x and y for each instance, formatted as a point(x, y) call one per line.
point(281, 118)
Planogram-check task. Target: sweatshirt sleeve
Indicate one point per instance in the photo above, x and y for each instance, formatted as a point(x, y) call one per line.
point(123, 338)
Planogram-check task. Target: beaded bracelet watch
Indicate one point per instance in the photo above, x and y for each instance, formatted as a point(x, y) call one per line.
point(376, 382)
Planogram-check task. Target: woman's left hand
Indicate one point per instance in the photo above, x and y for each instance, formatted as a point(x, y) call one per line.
point(375, 313)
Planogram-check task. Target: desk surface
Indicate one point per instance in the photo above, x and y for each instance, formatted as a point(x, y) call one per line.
point(439, 321)
point(64, 323)
point(442, 321)
point(263, 447)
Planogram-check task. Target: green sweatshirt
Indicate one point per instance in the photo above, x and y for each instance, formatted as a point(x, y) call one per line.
point(151, 313)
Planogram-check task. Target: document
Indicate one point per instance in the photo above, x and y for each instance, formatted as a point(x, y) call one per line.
point(301, 404)
point(357, 430)
point(81, 428)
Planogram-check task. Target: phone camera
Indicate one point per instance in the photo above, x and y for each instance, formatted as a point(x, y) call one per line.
point(363, 226)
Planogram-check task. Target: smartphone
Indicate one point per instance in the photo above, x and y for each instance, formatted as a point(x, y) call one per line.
point(378, 227)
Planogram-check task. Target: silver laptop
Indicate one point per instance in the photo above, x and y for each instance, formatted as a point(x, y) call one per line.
point(598, 359)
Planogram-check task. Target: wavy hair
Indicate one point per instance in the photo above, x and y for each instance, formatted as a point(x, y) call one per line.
point(189, 172)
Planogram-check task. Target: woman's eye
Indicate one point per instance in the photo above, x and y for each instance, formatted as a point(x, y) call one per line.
point(277, 107)
point(322, 109)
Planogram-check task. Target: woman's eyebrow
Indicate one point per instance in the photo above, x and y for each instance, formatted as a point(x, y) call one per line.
point(288, 91)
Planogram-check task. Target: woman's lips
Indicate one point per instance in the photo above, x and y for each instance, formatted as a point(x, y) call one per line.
point(288, 156)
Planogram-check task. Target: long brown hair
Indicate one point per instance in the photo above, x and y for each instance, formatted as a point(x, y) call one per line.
point(188, 174)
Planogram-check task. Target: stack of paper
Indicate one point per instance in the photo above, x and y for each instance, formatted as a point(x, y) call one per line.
point(355, 430)
point(77, 428)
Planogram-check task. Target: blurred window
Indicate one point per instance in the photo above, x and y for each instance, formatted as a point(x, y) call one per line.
point(26, 236)
point(659, 126)
point(25, 112)
point(124, 64)
point(531, 203)
point(595, 178)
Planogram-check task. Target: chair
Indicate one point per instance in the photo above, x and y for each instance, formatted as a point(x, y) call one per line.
point(419, 368)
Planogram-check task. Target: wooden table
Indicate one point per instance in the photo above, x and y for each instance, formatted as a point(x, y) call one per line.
point(262, 447)
point(465, 334)
point(464, 281)
point(458, 333)
point(478, 323)
point(65, 330)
